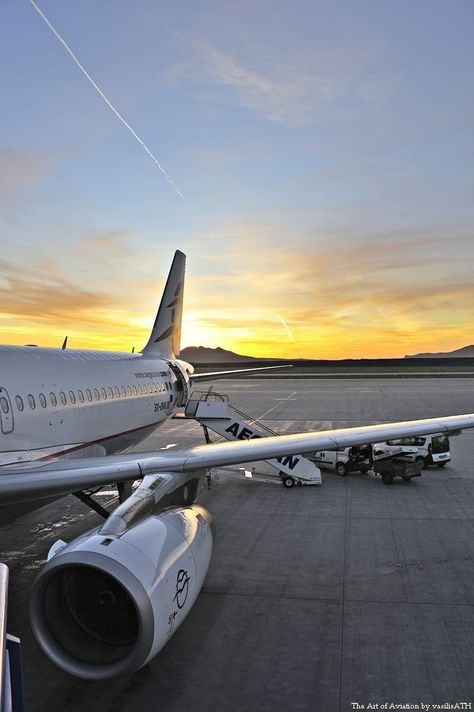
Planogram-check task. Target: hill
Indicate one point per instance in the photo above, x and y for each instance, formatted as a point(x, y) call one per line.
point(464, 352)
point(203, 354)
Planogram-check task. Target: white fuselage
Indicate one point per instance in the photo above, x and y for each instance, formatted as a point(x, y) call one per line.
point(81, 403)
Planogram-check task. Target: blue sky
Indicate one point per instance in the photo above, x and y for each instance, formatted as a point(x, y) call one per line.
point(324, 151)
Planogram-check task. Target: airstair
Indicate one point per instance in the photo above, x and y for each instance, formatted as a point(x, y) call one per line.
point(214, 412)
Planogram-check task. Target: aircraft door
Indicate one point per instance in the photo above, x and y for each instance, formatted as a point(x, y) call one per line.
point(6, 412)
point(181, 384)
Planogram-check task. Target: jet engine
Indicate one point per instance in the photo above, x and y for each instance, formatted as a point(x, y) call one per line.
point(104, 605)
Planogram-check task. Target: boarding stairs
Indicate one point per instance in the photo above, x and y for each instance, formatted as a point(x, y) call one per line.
point(215, 412)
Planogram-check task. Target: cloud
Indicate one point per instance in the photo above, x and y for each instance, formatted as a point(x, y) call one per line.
point(305, 88)
point(42, 293)
point(340, 295)
point(102, 302)
point(110, 242)
point(20, 170)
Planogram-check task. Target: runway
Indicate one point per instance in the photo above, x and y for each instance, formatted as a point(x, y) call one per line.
point(318, 599)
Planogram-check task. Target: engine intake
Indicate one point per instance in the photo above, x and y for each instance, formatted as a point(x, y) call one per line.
point(103, 607)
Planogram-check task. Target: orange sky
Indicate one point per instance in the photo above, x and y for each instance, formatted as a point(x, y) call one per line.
point(320, 164)
point(362, 302)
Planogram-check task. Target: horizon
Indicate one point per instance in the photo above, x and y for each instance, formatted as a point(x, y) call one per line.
point(315, 167)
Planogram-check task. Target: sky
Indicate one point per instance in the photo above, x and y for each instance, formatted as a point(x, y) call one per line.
point(313, 159)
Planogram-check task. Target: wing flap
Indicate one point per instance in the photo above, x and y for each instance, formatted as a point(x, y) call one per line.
point(195, 377)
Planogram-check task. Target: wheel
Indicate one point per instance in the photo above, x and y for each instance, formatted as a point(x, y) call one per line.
point(405, 478)
point(422, 462)
point(288, 481)
point(341, 469)
point(387, 478)
point(441, 464)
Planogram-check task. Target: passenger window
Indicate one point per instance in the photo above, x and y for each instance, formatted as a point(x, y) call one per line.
point(19, 403)
point(96, 394)
point(62, 397)
point(4, 404)
point(72, 397)
point(53, 399)
point(129, 390)
point(134, 390)
point(166, 384)
point(117, 392)
point(111, 392)
point(31, 401)
point(42, 400)
point(124, 392)
point(88, 394)
point(80, 395)
point(104, 393)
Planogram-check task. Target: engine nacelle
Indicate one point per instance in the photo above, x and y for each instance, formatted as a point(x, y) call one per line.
point(105, 605)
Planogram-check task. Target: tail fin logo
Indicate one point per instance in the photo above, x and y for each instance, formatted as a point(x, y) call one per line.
point(172, 305)
point(165, 336)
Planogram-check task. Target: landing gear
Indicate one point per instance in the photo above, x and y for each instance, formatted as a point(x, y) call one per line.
point(341, 469)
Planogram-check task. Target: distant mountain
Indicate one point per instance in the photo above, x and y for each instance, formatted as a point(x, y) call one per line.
point(466, 352)
point(203, 354)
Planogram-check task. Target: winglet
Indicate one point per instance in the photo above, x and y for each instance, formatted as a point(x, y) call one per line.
point(165, 336)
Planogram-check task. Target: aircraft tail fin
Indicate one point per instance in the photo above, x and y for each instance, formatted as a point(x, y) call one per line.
point(165, 336)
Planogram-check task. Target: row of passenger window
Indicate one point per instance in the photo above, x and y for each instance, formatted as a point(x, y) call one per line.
point(88, 395)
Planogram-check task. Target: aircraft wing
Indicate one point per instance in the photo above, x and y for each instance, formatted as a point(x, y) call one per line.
point(196, 377)
point(65, 476)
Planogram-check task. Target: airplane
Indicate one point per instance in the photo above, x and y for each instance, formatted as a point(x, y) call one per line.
point(106, 603)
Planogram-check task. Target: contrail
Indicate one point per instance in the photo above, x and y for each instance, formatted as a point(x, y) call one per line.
point(101, 93)
point(290, 335)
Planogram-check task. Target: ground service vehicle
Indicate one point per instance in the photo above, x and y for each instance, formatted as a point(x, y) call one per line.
point(392, 467)
point(358, 458)
point(427, 450)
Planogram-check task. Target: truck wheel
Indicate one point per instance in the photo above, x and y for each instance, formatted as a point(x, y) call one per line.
point(421, 462)
point(387, 478)
point(441, 464)
point(288, 481)
point(341, 469)
point(405, 478)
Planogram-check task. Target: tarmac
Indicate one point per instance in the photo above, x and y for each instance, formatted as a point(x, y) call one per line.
point(353, 595)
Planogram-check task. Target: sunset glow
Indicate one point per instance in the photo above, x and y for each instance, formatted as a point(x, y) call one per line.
point(324, 167)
